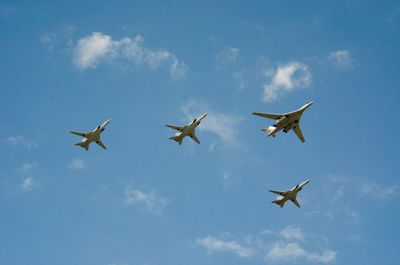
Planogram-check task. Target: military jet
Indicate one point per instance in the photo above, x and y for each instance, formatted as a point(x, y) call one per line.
point(289, 195)
point(93, 136)
point(287, 122)
point(188, 130)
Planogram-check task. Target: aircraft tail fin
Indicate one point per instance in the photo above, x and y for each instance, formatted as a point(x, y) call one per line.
point(83, 144)
point(281, 203)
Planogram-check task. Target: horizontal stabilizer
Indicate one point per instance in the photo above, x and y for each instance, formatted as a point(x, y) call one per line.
point(279, 202)
point(83, 144)
point(176, 138)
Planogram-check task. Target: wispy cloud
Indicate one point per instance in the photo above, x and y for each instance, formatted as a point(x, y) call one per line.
point(214, 244)
point(77, 163)
point(151, 200)
point(7, 11)
point(341, 59)
point(28, 184)
point(291, 232)
point(288, 77)
point(96, 48)
point(228, 56)
point(58, 37)
point(269, 245)
point(223, 125)
point(283, 252)
point(342, 187)
point(348, 192)
point(239, 76)
point(27, 168)
point(227, 179)
point(378, 191)
point(20, 140)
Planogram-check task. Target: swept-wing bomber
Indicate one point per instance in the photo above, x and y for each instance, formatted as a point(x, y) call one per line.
point(93, 136)
point(289, 195)
point(188, 130)
point(288, 121)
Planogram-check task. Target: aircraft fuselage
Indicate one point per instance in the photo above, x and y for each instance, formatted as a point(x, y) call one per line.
point(288, 121)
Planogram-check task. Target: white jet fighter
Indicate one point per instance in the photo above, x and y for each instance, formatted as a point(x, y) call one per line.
point(188, 130)
point(289, 195)
point(287, 122)
point(93, 136)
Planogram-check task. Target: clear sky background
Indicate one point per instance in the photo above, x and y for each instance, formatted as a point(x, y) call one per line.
point(146, 200)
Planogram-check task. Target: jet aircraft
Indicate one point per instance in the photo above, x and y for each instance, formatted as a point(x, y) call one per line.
point(287, 122)
point(289, 195)
point(93, 136)
point(188, 130)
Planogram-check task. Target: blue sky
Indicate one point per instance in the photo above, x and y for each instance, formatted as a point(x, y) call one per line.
point(147, 200)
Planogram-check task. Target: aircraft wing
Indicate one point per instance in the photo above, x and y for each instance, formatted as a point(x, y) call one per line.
point(175, 127)
point(268, 115)
point(80, 134)
point(277, 192)
point(195, 138)
point(101, 144)
point(298, 132)
point(296, 202)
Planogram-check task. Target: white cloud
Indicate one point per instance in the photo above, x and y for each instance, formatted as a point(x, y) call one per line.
point(286, 78)
point(325, 257)
point(291, 232)
point(26, 168)
point(226, 179)
point(48, 40)
point(239, 76)
point(341, 59)
point(228, 56)
point(283, 252)
point(343, 187)
point(377, 191)
point(220, 124)
point(98, 47)
point(153, 202)
point(212, 146)
point(283, 249)
point(20, 140)
point(15, 139)
point(28, 184)
point(267, 232)
point(91, 49)
point(77, 163)
point(213, 244)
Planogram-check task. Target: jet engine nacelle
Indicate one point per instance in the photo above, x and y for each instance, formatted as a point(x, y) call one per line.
point(288, 128)
point(270, 129)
